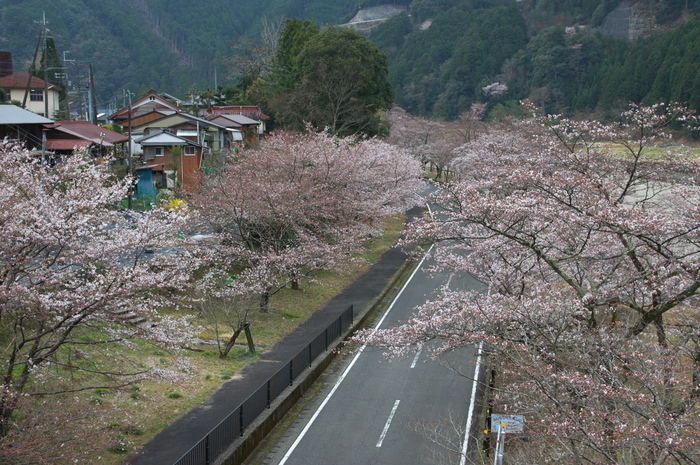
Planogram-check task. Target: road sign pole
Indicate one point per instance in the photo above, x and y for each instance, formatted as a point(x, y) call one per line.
point(500, 443)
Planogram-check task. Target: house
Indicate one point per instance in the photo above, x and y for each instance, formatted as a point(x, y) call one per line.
point(37, 95)
point(170, 161)
point(147, 104)
point(22, 126)
point(65, 136)
point(238, 127)
point(210, 135)
point(251, 111)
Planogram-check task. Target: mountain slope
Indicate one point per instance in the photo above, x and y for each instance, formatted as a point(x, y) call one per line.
point(442, 52)
point(136, 44)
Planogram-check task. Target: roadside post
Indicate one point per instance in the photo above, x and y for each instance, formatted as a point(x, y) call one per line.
point(500, 440)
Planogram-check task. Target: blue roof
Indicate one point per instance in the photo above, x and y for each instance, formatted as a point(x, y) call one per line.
point(12, 114)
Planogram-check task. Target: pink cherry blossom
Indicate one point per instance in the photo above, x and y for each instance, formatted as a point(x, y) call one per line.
point(301, 202)
point(586, 236)
point(74, 268)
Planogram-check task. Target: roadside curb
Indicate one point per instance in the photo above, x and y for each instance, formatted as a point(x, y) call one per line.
point(256, 433)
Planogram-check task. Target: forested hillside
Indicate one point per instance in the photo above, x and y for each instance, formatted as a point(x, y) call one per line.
point(447, 54)
point(137, 44)
point(442, 53)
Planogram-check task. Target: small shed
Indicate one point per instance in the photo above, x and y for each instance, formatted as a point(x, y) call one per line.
point(182, 168)
point(22, 126)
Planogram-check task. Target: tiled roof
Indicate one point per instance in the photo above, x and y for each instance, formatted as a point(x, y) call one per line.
point(150, 102)
point(21, 79)
point(251, 111)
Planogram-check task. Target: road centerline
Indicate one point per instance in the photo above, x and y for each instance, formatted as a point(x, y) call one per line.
point(347, 370)
point(415, 359)
point(388, 423)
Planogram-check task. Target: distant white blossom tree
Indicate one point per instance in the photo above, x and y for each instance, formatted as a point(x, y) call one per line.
point(495, 89)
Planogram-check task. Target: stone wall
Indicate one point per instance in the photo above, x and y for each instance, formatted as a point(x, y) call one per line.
point(628, 21)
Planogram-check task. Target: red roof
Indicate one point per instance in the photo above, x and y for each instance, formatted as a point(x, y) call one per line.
point(67, 144)
point(146, 104)
point(21, 79)
point(88, 131)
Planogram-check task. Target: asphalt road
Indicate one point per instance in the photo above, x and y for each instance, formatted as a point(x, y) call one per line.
point(374, 410)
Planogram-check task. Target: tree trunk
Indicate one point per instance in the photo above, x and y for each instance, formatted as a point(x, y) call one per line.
point(661, 332)
point(265, 301)
point(7, 409)
point(223, 353)
point(695, 391)
point(249, 338)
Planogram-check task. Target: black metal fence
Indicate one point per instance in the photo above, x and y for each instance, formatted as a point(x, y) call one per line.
point(233, 426)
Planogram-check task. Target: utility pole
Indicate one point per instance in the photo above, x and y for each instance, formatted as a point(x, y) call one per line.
point(46, 74)
point(131, 158)
point(29, 81)
point(91, 96)
point(69, 84)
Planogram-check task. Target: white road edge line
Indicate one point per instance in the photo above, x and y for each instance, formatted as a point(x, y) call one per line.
point(472, 403)
point(347, 370)
point(388, 423)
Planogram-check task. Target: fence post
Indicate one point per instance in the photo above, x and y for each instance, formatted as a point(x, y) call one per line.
point(240, 413)
point(207, 458)
point(309, 347)
point(291, 372)
point(326, 337)
point(269, 394)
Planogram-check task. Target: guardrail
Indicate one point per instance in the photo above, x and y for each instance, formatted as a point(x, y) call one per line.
point(233, 426)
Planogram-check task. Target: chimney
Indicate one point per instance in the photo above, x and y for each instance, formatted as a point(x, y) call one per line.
point(5, 64)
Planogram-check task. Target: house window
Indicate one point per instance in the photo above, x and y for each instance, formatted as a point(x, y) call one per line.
point(149, 153)
point(36, 95)
point(190, 150)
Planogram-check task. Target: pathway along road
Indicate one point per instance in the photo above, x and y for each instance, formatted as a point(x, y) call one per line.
point(374, 410)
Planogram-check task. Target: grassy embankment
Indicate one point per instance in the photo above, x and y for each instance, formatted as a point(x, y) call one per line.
point(135, 414)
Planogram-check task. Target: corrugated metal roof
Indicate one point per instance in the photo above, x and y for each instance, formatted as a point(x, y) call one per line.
point(89, 131)
point(159, 166)
point(227, 123)
point(163, 138)
point(11, 114)
point(240, 119)
point(67, 144)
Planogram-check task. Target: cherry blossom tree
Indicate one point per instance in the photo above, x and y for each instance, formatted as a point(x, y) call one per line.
point(433, 142)
point(469, 123)
point(227, 308)
point(72, 269)
point(495, 89)
point(586, 236)
point(301, 202)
